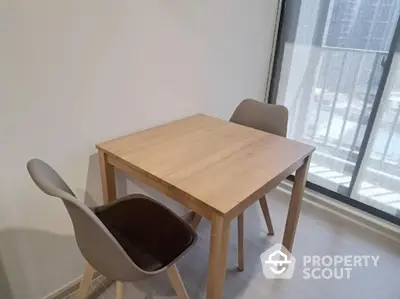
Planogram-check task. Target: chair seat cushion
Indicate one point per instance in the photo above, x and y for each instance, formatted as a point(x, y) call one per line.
point(151, 234)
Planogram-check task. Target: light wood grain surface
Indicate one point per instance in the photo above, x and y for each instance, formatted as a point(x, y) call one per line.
point(213, 163)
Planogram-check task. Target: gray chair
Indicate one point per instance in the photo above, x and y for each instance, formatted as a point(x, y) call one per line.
point(126, 240)
point(268, 118)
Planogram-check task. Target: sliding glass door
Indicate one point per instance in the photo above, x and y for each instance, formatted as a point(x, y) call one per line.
point(336, 71)
point(378, 178)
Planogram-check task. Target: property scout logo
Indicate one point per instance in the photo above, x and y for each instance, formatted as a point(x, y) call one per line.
point(278, 263)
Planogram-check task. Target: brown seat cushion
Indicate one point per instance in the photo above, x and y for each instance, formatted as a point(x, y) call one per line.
point(150, 233)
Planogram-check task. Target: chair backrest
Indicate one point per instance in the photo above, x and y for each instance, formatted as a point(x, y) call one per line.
point(265, 117)
point(95, 241)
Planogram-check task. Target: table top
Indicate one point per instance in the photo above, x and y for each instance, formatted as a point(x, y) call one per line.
point(215, 162)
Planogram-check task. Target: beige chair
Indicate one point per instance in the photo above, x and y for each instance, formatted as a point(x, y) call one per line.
point(126, 240)
point(268, 118)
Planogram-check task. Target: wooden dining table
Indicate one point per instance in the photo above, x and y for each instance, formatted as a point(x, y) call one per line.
point(213, 167)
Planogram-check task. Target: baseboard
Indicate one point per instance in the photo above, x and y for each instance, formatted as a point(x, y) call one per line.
point(69, 288)
point(357, 216)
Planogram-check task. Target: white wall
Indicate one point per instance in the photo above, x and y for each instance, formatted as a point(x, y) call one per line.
point(74, 73)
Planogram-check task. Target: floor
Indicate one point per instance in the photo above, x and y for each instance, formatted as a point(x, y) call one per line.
point(319, 233)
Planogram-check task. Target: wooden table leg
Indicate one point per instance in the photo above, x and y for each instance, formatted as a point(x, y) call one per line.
point(107, 175)
point(295, 204)
point(218, 255)
point(240, 221)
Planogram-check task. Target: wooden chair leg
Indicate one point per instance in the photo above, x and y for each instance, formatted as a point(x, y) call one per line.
point(240, 220)
point(196, 221)
point(120, 290)
point(85, 282)
point(268, 220)
point(176, 281)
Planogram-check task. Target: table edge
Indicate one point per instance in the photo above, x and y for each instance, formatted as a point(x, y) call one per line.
point(157, 183)
point(192, 202)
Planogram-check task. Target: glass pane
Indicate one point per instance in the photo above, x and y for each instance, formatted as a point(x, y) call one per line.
point(378, 183)
point(329, 78)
